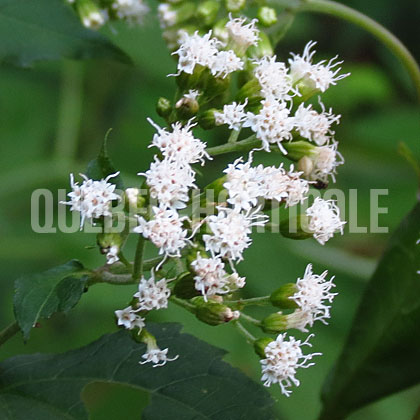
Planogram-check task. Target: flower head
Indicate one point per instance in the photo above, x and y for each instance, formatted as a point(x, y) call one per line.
point(92, 199)
point(157, 356)
point(180, 145)
point(165, 230)
point(325, 160)
point(324, 219)
point(272, 124)
point(133, 11)
point(233, 115)
point(242, 34)
point(169, 182)
point(112, 254)
point(231, 230)
point(315, 77)
point(129, 319)
point(224, 63)
point(312, 291)
point(152, 294)
point(283, 358)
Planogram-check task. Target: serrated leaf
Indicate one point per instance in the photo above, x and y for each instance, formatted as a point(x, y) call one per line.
point(102, 166)
point(382, 351)
point(198, 385)
point(41, 295)
point(34, 30)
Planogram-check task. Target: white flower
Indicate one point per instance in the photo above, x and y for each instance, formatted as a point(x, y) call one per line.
point(157, 356)
point(235, 282)
point(314, 126)
point(211, 277)
point(167, 15)
point(273, 182)
point(112, 254)
point(180, 145)
point(273, 78)
point(297, 188)
point(169, 182)
point(283, 358)
point(272, 124)
point(242, 185)
point(133, 11)
point(242, 35)
point(312, 291)
point(324, 220)
point(325, 160)
point(231, 230)
point(92, 199)
point(95, 19)
point(165, 230)
point(196, 50)
point(224, 63)
point(314, 76)
point(192, 94)
point(233, 115)
point(151, 294)
point(129, 319)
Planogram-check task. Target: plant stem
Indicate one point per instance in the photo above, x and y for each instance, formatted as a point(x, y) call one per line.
point(250, 319)
point(234, 136)
point(377, 30)
point(69, 111)
point(241, 146)
point(183, 303)
point(138, 259)
point(244, 331)
point(261, 300)
point(124, 260)
point(8, 332)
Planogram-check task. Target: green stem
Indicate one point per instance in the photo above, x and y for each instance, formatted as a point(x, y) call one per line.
point(8, 332)
point(250, 319)
point(138, 259)
point(124, 260)
point(261, 300)
point(244, 331)
point(69, 111)
point(377, 30)
point(233, 138)
point(183, 303)
point(241, 146)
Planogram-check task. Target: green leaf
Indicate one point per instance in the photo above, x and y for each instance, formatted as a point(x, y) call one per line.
point(48, 30)
point(102, 166)
point(198, 385)
point(41, 295)
point(381, 355)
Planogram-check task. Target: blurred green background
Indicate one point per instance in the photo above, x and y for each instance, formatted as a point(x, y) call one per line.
point(54, 117)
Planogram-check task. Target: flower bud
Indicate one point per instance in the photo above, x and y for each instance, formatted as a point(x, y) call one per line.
point(260, 345)
point(214, 313)
point(296, 150)
point(107, 240)
point(186, 108)
point(207, 119)
point(234, 5)
point(262, 49)
point(220, 31)
point(296, 227)
point(184, 286)
point(207, 11)
point(281, 296)
point(274, 323)
point(250, 91)
point(163, 107)
point(91, 16)
point(174, 14)
point(267, 16)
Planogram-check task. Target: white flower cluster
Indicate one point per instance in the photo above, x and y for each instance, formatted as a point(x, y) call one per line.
point(324, 220)
point(245, 184)
point(133, 11)
point(152, 294)
point(93, 199)
point(283, 358)
point(312, 291)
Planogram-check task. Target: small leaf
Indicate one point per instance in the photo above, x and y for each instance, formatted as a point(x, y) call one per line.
point(381, 355)
point(102, 166)
point(48, 30)
point(41, 295)
point(198, 385)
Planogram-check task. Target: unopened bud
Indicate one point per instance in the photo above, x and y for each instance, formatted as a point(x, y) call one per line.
point(91, 16)
point(107, 240)
point(296, 150)
point(213, 313)
point(281, 296)
point(220, 31)
point(260, 346)
point(267, 16)
point(207, 11)
point(296, 227)
point(262, 49)
point(163, 107)
point(207, 119)
point(186, 108)
point(250, 91)
point(234, 5)
point(185, 286)
point(274, 323)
